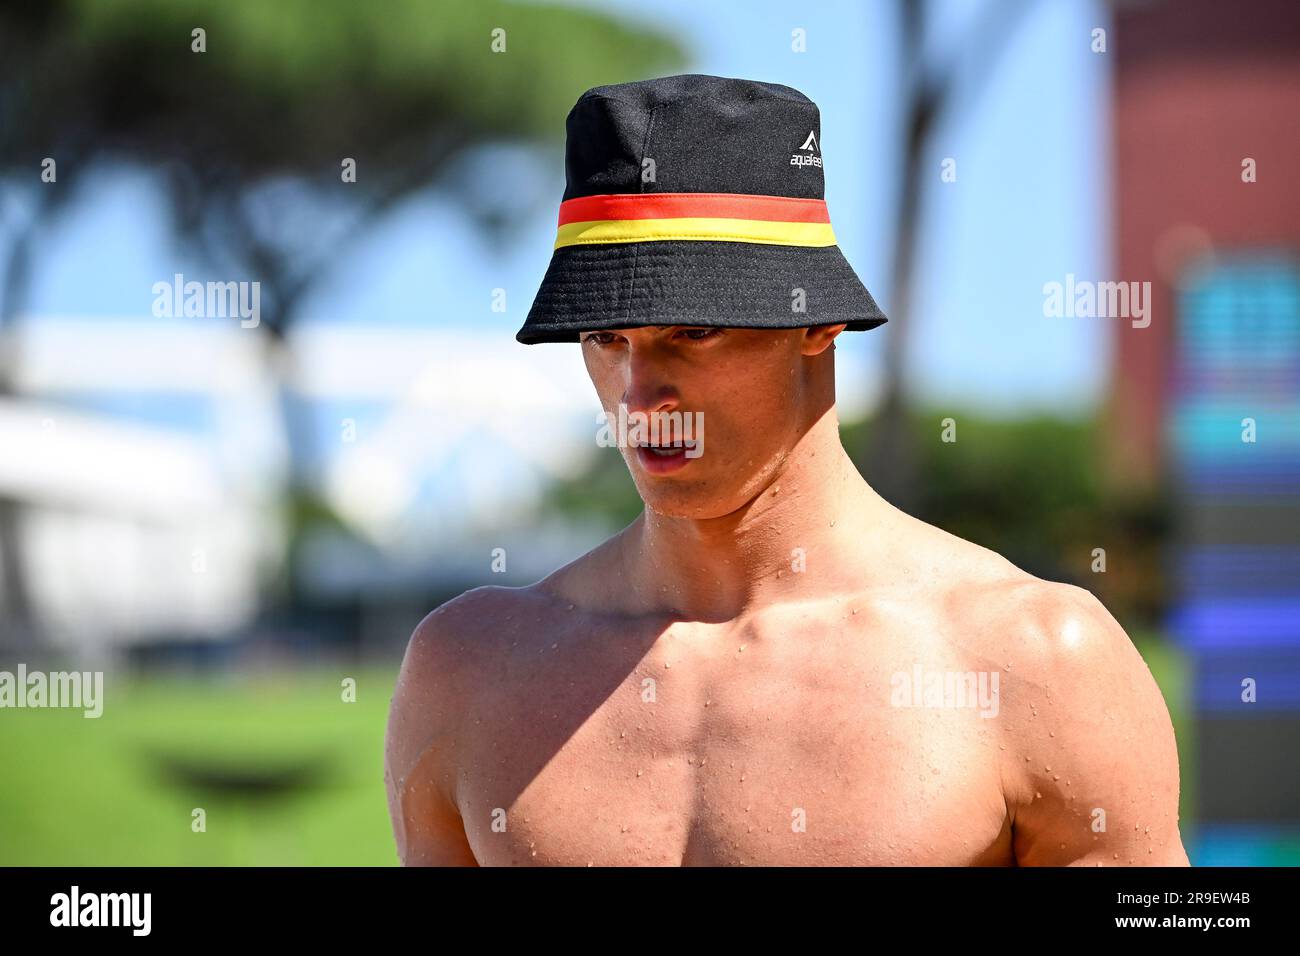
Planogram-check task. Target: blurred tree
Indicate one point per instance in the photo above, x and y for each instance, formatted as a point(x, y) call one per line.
point(932, 92)
point(248, 138)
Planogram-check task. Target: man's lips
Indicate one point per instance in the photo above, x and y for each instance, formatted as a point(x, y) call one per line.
point(665, 457)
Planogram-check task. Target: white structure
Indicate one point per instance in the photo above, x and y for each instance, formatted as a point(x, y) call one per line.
point(136, 529)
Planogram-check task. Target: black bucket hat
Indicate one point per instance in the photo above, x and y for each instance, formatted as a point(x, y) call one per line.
point(695, 200)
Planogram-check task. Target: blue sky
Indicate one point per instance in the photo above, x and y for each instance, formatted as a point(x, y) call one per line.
point(1029, 204)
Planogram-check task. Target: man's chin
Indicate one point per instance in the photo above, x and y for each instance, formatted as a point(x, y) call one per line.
point(683, 501)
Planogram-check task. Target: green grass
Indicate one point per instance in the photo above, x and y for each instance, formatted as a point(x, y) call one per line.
point(119, 790)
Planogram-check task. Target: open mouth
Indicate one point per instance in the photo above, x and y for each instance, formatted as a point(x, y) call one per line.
point(665, 457)
point(670, 449)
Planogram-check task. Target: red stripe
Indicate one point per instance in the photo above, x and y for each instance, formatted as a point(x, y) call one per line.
point(688, 205)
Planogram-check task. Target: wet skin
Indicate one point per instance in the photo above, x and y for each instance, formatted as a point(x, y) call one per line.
point(718, 683)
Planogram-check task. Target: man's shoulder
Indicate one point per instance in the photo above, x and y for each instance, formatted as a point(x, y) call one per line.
point(476, 615)
point(1049, 624)
point(1058, 651)
point(1038, 633)
point(462, 642)
point(1080, 716)
point(1046, 626)
point(1014, 610)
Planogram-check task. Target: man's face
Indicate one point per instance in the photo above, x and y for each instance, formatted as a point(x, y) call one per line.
point(745, 395)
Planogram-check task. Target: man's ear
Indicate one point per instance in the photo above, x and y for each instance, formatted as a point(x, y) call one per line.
point(819, 338)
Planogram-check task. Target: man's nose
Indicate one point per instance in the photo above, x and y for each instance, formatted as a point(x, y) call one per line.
point(649, 388)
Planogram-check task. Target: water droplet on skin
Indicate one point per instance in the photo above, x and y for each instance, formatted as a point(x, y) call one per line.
point(638, 773)
point(740, 649)
point(1051, 733)
point(1037, 795)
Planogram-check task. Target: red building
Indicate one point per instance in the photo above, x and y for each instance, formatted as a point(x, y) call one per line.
point(1200, 86)
point(1205, 402)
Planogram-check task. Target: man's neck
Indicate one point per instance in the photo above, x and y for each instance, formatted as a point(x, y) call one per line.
point(800, 538)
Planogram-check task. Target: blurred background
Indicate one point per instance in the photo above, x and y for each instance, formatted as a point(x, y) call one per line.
point(241, 526)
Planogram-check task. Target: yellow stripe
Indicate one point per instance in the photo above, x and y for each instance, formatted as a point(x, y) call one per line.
point(718, 230)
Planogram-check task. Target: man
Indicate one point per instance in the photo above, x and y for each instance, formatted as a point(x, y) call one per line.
point(771, 665)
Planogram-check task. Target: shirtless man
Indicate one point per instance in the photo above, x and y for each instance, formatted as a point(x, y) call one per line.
point(680, 695)
point(766, 667)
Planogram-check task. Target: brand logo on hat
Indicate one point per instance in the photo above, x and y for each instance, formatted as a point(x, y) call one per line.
point(809, 144)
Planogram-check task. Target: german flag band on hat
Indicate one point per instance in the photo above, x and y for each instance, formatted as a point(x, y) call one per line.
point(695, 200)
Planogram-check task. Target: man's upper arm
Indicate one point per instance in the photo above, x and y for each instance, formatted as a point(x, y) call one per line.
point(1094, 777)
point(420, 748)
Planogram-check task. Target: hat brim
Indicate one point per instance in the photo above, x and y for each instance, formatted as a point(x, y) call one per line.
point(588, 288)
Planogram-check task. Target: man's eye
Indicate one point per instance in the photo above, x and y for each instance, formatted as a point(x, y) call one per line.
point(701, 333)
point(601, 338)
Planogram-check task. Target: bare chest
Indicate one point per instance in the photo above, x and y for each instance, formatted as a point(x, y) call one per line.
point(725, 752)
